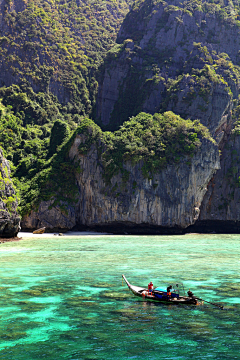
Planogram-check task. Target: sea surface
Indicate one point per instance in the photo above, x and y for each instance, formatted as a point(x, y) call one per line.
point(62, 298)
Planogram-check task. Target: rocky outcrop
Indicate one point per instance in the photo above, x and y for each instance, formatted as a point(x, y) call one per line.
point(179, 56)
point(53, 218)
point(9, 218)
point(220, 209)
point(173, 56)
point(171, 199)
point(167, 203)
point(33, 53)
point(109, 92)
point(182, 57)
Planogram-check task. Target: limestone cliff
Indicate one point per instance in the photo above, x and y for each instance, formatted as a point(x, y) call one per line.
point(220, 209)
point(9, 218)
point(173, 56)
point(179, 56)
point(167, 203)
point(54, 46)
point(53, 218)
point(170, 200)
point(182, 56)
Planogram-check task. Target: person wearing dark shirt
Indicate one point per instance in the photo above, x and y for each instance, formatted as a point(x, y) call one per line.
point(169, 290)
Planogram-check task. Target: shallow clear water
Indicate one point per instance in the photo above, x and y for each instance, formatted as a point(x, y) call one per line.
point(62, 298)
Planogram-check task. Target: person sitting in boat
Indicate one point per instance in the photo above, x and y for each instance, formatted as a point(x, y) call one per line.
point(150, 288)
point(169, 290)
point(190, 294)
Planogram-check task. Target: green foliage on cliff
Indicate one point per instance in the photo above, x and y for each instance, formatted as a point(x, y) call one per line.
point(25, 125)
point(157, 140)
point(228, 12)
point(175, 56)
point(27, 133)
point(57, 46)
point(59, 133)
point(8, 193)
point(55, 180)
point(154, 140)
point(49, 48)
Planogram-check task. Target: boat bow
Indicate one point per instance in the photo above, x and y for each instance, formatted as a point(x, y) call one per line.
point(137, 290)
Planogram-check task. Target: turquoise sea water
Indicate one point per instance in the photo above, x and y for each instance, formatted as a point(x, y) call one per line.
point(62, 298)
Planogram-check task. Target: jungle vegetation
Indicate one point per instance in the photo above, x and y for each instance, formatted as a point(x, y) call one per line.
point(152, 140)
point(52, 55)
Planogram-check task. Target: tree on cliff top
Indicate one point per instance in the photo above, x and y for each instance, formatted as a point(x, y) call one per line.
point(60, 132)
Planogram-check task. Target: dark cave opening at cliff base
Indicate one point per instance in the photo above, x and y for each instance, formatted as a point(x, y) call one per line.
point(131, 229)
point(204, 226)
point(214, 226)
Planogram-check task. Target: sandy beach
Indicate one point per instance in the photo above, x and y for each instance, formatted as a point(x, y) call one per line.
point(25, 235)
point(28, 235)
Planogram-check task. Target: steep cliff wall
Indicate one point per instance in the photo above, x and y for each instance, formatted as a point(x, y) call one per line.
point(166, 201)
point(173, 56)
point(56, 46)
point(182, 57)
point(9, 218)
point(171, 199)
point(220, 209)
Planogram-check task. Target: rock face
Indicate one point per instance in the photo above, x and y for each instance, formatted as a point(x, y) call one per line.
point(220, 209)
point(170, 200)
point(184, 58)
point(172, 56)
point(52, 217)
point(168, 203)
point(33, 53)
point(179, 56)
point(9, 218)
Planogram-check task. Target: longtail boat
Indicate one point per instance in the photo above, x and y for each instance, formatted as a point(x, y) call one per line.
point(160, 295)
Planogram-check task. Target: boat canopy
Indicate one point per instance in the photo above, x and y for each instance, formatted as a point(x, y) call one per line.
point(177, 287)
point(160, 289)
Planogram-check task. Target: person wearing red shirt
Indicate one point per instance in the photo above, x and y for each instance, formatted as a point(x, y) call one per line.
point(150, 288)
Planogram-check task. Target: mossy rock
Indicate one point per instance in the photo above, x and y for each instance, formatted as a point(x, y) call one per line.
point(13, 335)
point(134, 330)
point(228, 288)
point(129, 313)
point(199, 329)
point(207, 287)
point(79, 298)
point(80, 304)
point(38, 291)
point(89, 322)
point(35, 293)
point(29, 306)
point(2, 288)
point(114, 295)
point(32, 325)
point(90, 357)
point(19, 325)
point(103, 285)
point(5, 297)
